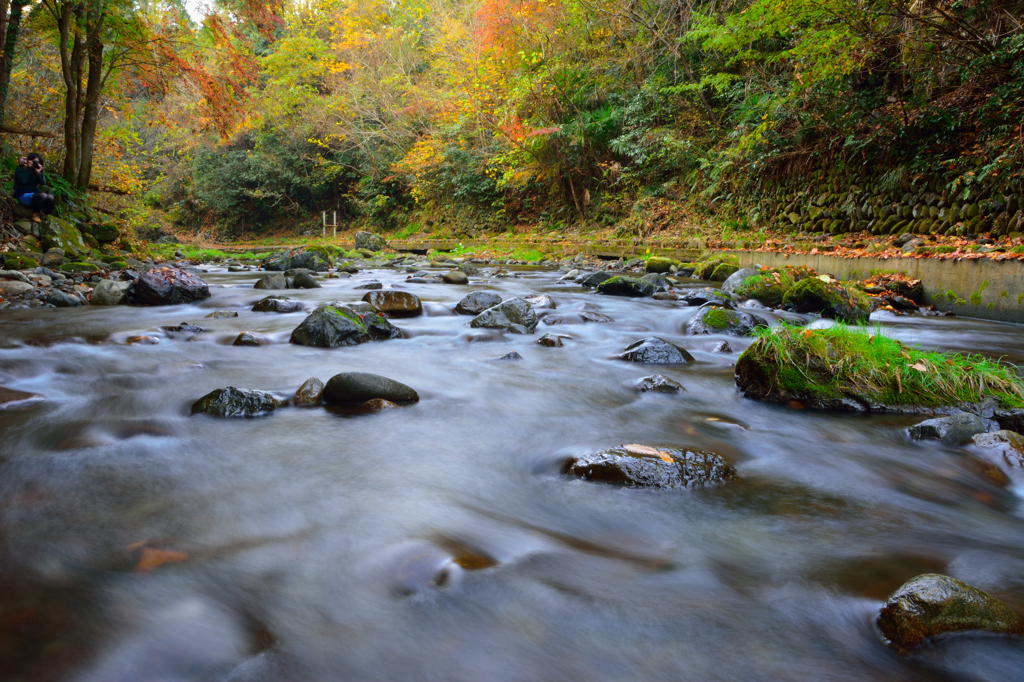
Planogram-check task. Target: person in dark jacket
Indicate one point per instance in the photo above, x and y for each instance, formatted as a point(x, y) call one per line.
point(30, 186)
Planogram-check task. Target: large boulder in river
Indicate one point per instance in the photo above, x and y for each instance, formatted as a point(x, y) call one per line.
point(934, 604)
point(109, 292)
point(297, 259)
point(235, 402)
point(717, 320)
point(330, 326)
point(656, 351)
point(167, 286)
point(304, 280)
point(515, 315)
point(277, 304)
point(704, 295)
point(57, 233)
point(623, 285)
point(271, 282)
point(477, 302)
point(355, 388)
point(643, 466)
point(956, 429)
point(395, 303)
point(829, 298)
point(369, 241)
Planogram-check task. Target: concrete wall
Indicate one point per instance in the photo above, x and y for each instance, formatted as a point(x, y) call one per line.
point(985, 278)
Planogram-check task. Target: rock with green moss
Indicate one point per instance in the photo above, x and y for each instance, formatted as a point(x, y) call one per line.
point(768, 286)
point(57, 233)
point(723, 271)
point(236, 402)
point(103, 233)
point(31, 244)
point(78, 268)
point(19, 261)
point(829, 298)
point(934, 604)
point(662, 265)
point(623, 285)
point(706, 267)
point(307, 259)
point(717, 320)
point(330, 326)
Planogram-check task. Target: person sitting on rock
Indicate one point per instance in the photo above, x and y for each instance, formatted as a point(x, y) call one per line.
point(30, 186)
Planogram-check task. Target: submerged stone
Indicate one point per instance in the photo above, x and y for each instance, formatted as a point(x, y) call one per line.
point(1009, 443)
point(657, 383)
point(934, 604)
point(643, 466)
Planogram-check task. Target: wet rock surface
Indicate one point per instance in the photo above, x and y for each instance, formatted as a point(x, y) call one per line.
point(477, 302)
point(510, 314)
point(277, 304)
point(355, 388)
point(643, 466)
point(236, 402)
point(717, 320)
point(309, 393)
point(706, 295)
point(956, 429)
point(656, 351)
point(167, 286)
point(395, 303)
point(934, 604)
point(656, 383)
point(330, 326)
point(623, 285)
point(1008, 443)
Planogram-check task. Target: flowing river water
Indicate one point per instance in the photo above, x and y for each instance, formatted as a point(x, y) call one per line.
point(140, 543)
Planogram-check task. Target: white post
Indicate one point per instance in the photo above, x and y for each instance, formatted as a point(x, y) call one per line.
point(324, 231)
point(335, 224)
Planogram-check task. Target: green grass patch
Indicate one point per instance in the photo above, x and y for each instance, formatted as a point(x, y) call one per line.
point(855, 362)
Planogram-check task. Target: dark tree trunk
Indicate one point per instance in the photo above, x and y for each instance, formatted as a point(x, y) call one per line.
point(91, 114)
point(8, 50)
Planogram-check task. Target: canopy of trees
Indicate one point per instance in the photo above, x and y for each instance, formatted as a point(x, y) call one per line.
point(497, 111)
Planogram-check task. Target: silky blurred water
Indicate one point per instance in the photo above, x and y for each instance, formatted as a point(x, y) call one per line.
point(314, 539)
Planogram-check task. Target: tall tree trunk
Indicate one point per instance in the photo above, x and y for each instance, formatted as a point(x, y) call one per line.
point(91, 114)
point(73, 85)
point(9, 49)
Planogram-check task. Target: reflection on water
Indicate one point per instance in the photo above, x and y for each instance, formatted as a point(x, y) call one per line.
point(438, 541)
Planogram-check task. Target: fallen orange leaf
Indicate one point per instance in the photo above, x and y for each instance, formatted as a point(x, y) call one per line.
point(154, 558)
point(919, 366)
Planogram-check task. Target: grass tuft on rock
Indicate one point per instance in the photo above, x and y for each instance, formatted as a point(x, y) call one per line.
point(828, 366)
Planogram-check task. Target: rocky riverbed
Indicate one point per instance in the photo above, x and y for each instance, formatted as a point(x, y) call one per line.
point(417, 487)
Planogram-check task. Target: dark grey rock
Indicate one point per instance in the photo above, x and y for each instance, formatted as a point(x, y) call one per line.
point(658, 280)
point(167, 286)
point(643, 466)
point(62, 299)
point(594, 279)
point(235, 402)
point(705, 295)
point(276, 304)
point(370, 286)
point(271, 282)
point(330, 326)
point(506, 315)
point(510, 356)
point(956, 429)
point(477, 302)
point(250, 339)
point(657, 383)
point(355, 388)
point(304, 280)
point(656, 351)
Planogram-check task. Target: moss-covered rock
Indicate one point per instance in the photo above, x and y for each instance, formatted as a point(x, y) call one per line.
point(623, 285)
point(829, 298)
point(19, 261)
point(103, 233)
point(57, 233)
point(705, 267)
point(934, 604)
point(723, 271)
point(330, 326)
point(78, 268)
point(716, 320)
point(660, 264)
point(768, 286)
